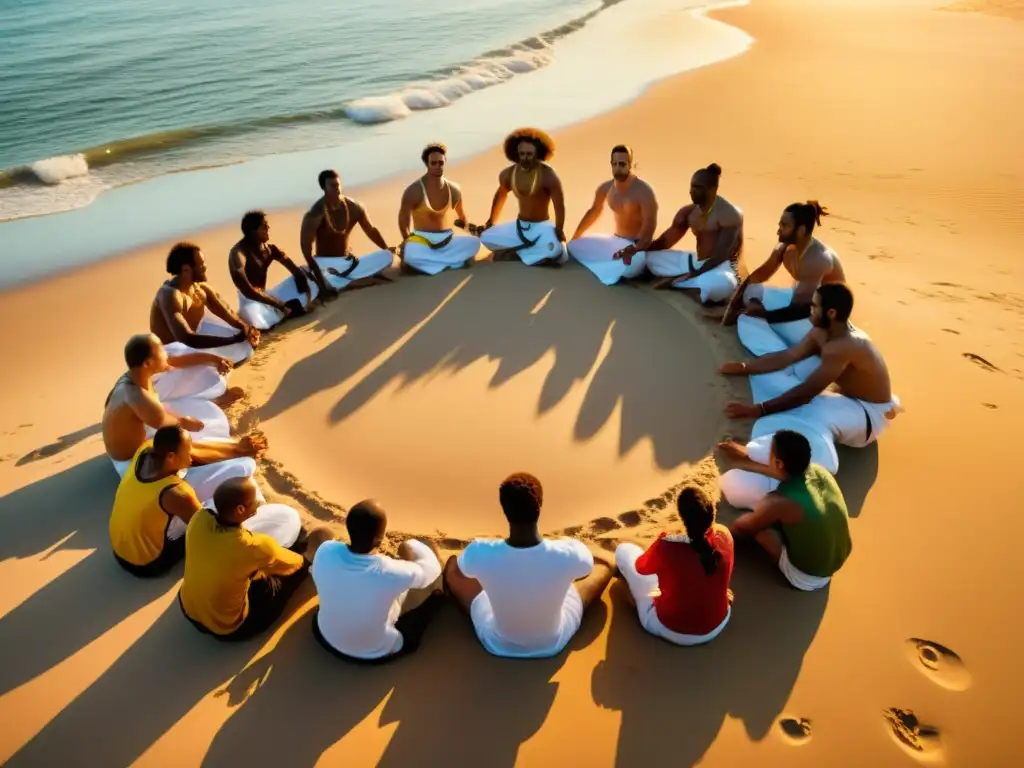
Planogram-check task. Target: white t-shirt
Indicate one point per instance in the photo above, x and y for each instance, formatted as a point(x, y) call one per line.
point(529, 607)
point(361, 596)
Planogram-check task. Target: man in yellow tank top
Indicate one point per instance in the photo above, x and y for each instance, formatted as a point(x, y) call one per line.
point(532, 237)
point(153, 505)
point(430, 245)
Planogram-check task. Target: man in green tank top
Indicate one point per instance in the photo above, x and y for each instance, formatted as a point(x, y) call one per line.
point(803, 524)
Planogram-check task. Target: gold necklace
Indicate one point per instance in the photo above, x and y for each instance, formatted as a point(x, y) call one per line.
point(327, 217)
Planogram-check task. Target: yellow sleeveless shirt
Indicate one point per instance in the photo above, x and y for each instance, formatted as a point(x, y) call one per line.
point(138, 522)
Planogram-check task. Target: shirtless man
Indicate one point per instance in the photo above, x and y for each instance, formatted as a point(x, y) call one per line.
point(133, 412)
point(430, 246)
point(327, 226)
point(846, 399)
point(249, 261)
point(532, 237)
point(179, 315)
point(808, 261)
point(717, 226)
point(633, 202)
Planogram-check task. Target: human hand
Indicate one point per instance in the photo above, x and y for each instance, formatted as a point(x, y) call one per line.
point(755, 310)
point(742, 411)
point(560, 234)
point(252, 335)
point(733, 450)
point(253, 444)
point(224, 365)
point(190, 425)
point(733, 369)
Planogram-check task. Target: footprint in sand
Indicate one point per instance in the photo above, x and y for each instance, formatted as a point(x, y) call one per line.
point(991, 406)
point(795, 730)
point(922, 741)
point(980, 361)
point(604, 525)
point(631, 519)
point(939, 663)
point(658, 503)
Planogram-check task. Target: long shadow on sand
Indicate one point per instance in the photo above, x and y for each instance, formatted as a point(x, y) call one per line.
point(452, 320)
point(674, 700)
point(858, 470)
point(451, 701)
point(71, 509)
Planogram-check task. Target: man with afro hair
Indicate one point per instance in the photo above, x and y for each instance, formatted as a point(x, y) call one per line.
point(532, 236)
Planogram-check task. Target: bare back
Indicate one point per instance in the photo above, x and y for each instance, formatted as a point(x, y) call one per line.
point(193, 304)
point(531, 188)
point(708, 227)
point(861, 371)
point(627, 206)
point(124, 432)
point(818, 261)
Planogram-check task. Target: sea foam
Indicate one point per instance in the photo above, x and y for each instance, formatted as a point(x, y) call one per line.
point(54, 170)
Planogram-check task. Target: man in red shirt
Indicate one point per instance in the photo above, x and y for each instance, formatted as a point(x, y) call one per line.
point(681, 583)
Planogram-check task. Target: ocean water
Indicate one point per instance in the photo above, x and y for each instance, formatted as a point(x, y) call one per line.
point(115, 108)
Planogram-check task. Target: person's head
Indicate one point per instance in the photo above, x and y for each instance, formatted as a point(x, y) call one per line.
point(622, 162)
point(799, 220)
point(186, 260)
point(832, 304)
point(236, 500)
point(704, 184)
point(172, 448)
point(529, 146)
point(366, 524)
point(697, 511)
point(791, 453)
point(521, 497)
point(256, 227)
point(434, 157)
point(330, 183)
point(145, 353)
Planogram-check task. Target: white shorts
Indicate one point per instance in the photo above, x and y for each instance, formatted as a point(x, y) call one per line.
point(482, 615)
point(798, 578)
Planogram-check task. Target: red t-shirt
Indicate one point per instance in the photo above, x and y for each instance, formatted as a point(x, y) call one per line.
point(691, 602)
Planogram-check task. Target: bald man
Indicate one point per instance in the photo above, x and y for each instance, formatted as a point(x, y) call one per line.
point(133, 412)
point(710, 272)
point(374, 607)
point(242, 562)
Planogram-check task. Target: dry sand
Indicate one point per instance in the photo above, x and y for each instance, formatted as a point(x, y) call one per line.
point(905, 122)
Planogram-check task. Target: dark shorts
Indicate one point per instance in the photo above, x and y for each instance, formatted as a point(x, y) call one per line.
point(173, 552)
point(411, 626)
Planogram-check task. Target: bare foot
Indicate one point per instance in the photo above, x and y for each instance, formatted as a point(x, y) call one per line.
point(254, 444)
point(231, 395)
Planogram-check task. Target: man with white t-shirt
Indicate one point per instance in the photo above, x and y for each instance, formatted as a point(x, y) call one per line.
point(374, 607)
point(525, 594)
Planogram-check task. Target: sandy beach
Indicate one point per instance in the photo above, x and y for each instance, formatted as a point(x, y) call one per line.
point(904, 120)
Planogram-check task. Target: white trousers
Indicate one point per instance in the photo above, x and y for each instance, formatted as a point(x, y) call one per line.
point(482, 615)
point(717, 284)
point(773, 298)
point(798, 578)
point(194, 381)
point(829, 418)
point(368, 265)
point(212, 325)
point(207, 478)
point(641, 588)
point(595, 253)
point(264, 316)
point(547, 246)
point(431, 261)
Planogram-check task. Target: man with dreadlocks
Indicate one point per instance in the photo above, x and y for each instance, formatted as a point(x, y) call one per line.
point(532, 237)
point(717, 225)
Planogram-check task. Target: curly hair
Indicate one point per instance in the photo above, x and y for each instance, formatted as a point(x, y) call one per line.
point(431, 149)
point(521, 496)
point(545, 144)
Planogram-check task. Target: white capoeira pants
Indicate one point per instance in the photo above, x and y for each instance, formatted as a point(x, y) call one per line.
point(717, 284)
point(641, 588)
point(595, 253)
point(431, 261)
point(263, 316)
point(772, 298)
point(207, 478)
point(193, 381)
point(211, 325)
point(482, 615)
point(829, 418)
point(547, 246)
point(215, 421)
point(368, 265)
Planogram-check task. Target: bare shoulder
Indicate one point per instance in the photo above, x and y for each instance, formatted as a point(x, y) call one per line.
point(505, 175)
point(682, 216)
point(316, 210)
point(237, 254)
point(729, 215)
point(549, 174)
point(456, 190)
point(413, 192)
point(168, 296)
point(642, 189)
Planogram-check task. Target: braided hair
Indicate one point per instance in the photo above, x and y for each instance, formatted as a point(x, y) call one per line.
point(697, 511)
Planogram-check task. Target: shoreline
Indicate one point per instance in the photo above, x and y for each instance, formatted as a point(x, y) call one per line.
point(874, 109)
point(120, 218)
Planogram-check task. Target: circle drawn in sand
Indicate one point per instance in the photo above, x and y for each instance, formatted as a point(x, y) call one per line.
point(426, 393)
point(795, 730)
point(922, 741)
point(939, 664)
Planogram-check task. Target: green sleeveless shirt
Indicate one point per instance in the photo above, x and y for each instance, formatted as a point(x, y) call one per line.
point(820, 543)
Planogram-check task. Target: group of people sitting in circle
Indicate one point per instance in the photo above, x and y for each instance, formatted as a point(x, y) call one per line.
point(188, 487)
